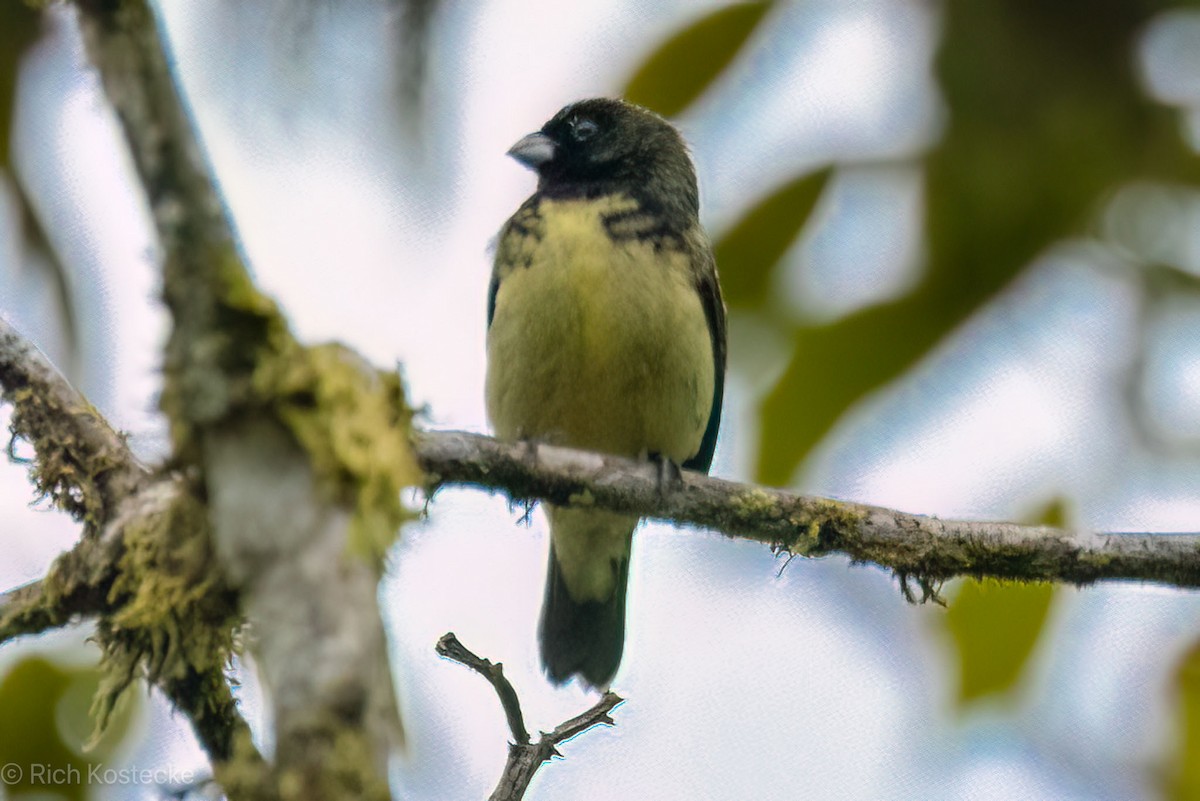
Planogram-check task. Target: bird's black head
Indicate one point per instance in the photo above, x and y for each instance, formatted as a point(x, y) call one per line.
point(602, 146)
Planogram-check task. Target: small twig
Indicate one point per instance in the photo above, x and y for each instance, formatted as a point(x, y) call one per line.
point(450, 647)
point(524, 756)
point(595, 716)
point(77, 587)
point(524, 760)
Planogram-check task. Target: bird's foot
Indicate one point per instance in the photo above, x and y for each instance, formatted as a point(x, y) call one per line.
point(529, 452)
point(670, 474)
point(529, 457)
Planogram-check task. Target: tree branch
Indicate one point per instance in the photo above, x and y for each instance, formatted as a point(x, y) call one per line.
point(83, 465)
point(450, 647)
point(925, 548)
point(296, 447)
point(137, 570)
point(524, 756)
point(94, 580)
point(77, 586)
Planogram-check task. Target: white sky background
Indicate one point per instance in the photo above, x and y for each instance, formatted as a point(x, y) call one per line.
point(818, 683)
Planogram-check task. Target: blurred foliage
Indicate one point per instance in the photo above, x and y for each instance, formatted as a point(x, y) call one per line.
point(758, 241)
point(689, 61)
point(19, 28)
point(995, 625)
point(1045, 118)
point(415, 21)
point(1184, 779)
point(44, 707)
point(1052, 514)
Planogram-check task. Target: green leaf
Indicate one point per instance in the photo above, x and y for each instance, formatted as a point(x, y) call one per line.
point(685, 64)
point(19, 27)
point(44, 709)
point(36, 244)
point(747, 253)
point(1046, 117)
point(995, 626)
point(1055, 514)
point(1184, 778)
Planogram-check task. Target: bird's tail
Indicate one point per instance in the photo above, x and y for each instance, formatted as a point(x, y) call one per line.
point(582, 629)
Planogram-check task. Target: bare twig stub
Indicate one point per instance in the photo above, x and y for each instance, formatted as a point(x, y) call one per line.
point(524, 756)
point(449, 647)
point(924, 549)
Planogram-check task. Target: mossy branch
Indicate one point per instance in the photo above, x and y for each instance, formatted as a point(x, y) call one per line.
point(301, 452)
point(83, 466)
point(143, 568)
point(926, 549)
point(76, 587)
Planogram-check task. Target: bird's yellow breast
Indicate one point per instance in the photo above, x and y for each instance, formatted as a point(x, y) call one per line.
point(596, 342)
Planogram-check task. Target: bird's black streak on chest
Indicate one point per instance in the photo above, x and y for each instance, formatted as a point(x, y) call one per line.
point(642, 226)
point(659, 219)
point(624, 217)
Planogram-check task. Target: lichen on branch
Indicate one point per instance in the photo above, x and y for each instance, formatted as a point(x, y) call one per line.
point(917, 547)
point(83, 466)
point(301, 453)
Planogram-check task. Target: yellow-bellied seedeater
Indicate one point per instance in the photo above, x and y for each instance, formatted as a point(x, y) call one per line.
point(606, 331)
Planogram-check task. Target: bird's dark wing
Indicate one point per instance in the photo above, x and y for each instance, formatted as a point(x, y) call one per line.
point(514, 247)
point(493, 288)
point(709, 289)
point(647, 224)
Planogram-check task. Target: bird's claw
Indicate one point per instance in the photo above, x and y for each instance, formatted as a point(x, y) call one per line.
point(670, 474)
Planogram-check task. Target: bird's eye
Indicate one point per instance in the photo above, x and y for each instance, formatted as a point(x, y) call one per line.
point(583, 129)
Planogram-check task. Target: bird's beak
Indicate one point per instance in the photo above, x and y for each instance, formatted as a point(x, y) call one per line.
point(533, 150)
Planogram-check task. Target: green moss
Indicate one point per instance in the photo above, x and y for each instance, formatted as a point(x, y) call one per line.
point(171, 616)
point(244, 774)
point(216, 346)
point(351, 420)
point(1099, 561)
point(839, 517)
point(819, 516)
point(352, 771)
point(68, 472)
point(754, 505)
point(798, 526)
point(584, 498)
point(354, 424)
point(239, 294)
point(338, 760)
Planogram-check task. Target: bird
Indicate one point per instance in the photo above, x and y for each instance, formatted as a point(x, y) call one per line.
point(606, 332)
